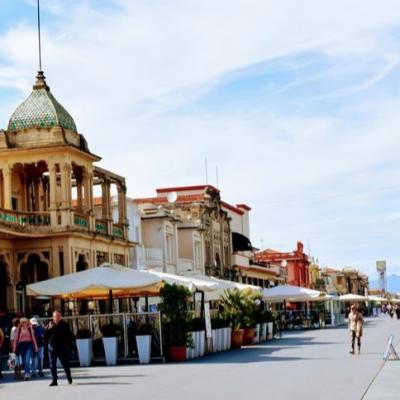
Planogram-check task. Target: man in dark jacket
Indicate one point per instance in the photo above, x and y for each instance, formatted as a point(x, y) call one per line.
point(59, 338)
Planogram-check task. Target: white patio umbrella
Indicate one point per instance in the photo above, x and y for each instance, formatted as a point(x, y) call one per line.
point(291, 294)
point(377, 299)
point(223, 285)
point(352, 297)
point(192, 283)
point(99, 282)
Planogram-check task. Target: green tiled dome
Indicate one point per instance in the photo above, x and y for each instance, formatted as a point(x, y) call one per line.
point(41, 110)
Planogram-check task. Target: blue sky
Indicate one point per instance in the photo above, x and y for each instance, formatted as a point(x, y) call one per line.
point(298, 104)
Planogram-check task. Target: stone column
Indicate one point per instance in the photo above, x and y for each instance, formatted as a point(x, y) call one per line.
point(88, 189)
point(53, 186)
point(53, 194)
point(7, 187)
point(66, 185)
point(121, 204)
point(79, 188)
point(106, 199)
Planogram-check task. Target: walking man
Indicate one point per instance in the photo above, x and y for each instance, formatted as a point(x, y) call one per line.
point(37, 358)
point(356, 328)
point(59, 338)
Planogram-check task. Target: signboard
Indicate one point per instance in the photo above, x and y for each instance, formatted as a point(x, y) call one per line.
point(207, 317)
point(381, 269)
point(381, 266)
point(390, 350)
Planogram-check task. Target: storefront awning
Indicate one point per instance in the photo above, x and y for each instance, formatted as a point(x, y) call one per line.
point(241, 242)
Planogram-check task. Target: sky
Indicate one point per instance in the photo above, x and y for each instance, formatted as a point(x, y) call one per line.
point(297, 103)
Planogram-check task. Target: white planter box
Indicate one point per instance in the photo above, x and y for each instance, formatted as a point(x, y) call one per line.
point(197, 344)
point(270, 330)
point(202, 339)
point(190, 351)
point(214, 340)
point(224, 339)
point(263, 335)
point(143, 343)
point(257, 334)
point(220, 339)
point(229, 339)
point(111, 350)
point(85, 351)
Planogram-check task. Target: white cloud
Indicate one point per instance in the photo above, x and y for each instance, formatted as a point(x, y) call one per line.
point(121, 72)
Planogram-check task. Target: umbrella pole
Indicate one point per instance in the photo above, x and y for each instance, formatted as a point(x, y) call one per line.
point(146, 300)
point(110, 296)
point(202, 305)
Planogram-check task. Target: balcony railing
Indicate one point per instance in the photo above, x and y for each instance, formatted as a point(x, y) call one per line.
point(118, 231)
point(81, 221)
point(25, 220)
point(31, 222)
point(147, 257)
point(101, 227)
point(185, 265)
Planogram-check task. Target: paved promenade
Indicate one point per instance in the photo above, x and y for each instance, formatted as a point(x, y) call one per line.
point(302, 365)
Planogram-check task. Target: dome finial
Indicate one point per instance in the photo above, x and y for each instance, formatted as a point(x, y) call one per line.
point(40, 82)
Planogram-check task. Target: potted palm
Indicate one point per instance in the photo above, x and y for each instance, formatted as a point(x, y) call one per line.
point(175, 314)
point(84, 347)
point(143, 342)
point(110, 334)
point(232, 302)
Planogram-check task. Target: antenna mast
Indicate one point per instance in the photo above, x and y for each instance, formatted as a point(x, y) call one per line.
point(39, 36)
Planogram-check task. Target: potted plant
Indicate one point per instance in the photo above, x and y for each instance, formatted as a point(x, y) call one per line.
point(143, 342)
point(232, 303)
point(175, 314)
point(110, 334)
point(84, 345)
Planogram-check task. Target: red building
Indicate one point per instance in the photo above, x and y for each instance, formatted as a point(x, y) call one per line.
point(296, 264)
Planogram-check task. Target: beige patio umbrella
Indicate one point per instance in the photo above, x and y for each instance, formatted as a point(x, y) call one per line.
point(223, 285)
point(352, 297)
point(98, 283)
point(192, 283)
point(292, 294)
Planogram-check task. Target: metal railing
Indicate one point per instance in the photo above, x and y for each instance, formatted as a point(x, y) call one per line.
point(25, 219)
point(101, 226)
point(118, 231)
point(127, 323)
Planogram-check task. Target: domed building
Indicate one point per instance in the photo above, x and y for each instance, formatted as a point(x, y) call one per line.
point(49, 225)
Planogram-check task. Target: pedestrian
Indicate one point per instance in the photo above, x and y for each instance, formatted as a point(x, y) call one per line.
point(13, 335)
point(37, 358)
point(59, 338)
point(1, 352)
point(390, 310)
point(25, 345)
point(356, 328)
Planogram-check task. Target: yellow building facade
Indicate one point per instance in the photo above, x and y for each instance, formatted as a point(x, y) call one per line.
point(47, 222)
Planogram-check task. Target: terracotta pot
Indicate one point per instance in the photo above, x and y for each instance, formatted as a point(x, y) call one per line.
point(237, 338)
point(177, 354)
point(248, 336)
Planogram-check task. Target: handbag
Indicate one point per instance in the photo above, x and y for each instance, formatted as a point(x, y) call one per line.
point(12, 361)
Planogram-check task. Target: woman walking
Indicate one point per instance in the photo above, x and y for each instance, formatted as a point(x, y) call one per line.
point(13, 336)
point(356, 328)
point(25, 345)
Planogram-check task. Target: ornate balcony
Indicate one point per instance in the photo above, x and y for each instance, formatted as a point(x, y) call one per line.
point(40, 222)
point(29, 222)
